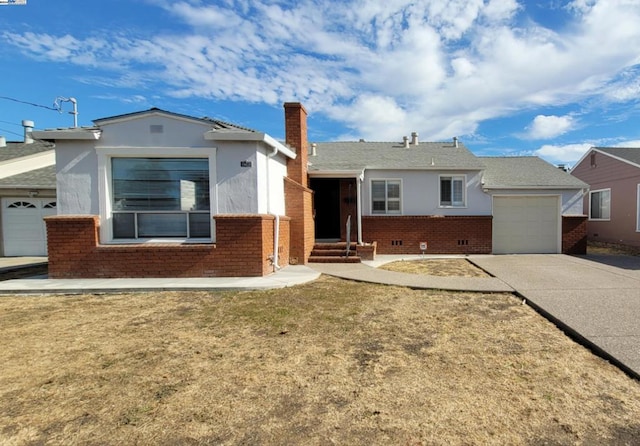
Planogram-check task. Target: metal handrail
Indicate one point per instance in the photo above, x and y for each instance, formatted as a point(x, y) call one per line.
point(348, 234)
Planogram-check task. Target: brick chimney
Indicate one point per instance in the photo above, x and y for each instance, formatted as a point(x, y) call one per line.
point(298, 196)
point(295, 124)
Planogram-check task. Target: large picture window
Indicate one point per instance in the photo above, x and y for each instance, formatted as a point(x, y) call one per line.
point(160, 198)
point(385, 197)
point(452, 190)
point(600, 204)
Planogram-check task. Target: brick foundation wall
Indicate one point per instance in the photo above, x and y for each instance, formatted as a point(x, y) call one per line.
point(243, 248)
point(574, 235)
point(444, 235)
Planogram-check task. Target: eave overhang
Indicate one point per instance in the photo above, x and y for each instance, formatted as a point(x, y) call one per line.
point(215, 135)
point(67, 134)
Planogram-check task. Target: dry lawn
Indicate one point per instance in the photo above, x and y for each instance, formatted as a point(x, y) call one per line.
point(330, 362)
point(437, 267)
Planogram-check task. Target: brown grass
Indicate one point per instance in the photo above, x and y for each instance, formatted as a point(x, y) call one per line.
point(330, 362)
point(437, 267)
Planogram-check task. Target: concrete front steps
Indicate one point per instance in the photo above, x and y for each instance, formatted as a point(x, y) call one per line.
point(333, 253)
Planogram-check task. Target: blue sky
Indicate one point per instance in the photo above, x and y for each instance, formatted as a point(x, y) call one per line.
point(540, 77)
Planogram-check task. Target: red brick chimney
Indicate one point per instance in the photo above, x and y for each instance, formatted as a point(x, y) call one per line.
point(298, 196)
point(295, 125)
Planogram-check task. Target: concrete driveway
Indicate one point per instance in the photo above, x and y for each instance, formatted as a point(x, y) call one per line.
point(597, 297)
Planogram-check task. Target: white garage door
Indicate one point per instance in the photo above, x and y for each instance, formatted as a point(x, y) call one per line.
point(23, 230)
point(526, 224)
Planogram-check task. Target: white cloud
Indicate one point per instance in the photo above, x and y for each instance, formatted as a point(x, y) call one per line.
point(439, 67)
point(546, 127)
point(563, 154)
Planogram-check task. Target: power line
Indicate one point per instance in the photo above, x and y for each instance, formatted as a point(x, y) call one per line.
point(29, 103)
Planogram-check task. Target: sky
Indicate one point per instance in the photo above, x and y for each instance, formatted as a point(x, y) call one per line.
point(508, 78)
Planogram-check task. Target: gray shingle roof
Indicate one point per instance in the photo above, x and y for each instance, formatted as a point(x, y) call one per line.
point(44, 178)
point(631, 154)
point(356, 156)
point(526, 171)
point(19, 149)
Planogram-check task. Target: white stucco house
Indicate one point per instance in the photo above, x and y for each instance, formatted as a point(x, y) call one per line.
point(156, 193)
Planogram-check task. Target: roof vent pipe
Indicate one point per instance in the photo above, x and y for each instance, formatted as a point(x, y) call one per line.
point(455, 142)
point(28, 128)
point(3, 141)
point(406, 141)
point(414, 138)
point(314, 148)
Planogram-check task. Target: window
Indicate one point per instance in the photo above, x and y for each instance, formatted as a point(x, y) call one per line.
point(385, 196)
point(160, 197)
point(600, 204)
point(452, 191)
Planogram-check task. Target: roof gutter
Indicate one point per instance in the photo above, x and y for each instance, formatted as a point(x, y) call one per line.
point(216, 135)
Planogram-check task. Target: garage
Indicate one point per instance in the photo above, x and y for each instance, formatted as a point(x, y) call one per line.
point(23, 229)
point(526, 224)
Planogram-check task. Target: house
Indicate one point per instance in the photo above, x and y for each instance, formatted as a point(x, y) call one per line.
point(613, 202)
point(156, 193)
point(403, 195)
point(27, 194)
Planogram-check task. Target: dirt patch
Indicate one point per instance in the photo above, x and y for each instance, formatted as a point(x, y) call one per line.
point(612, 249)
point(437, 267)
point(330, 362)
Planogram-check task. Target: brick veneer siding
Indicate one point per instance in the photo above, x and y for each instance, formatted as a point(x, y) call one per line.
point(574, 235)
point(444, 235)
point(243, 248)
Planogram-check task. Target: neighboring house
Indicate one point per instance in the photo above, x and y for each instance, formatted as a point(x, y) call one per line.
point(28, 193)
point(613, 202)
point(156, 193)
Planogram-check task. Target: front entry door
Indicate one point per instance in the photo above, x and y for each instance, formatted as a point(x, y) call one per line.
point(326, 202)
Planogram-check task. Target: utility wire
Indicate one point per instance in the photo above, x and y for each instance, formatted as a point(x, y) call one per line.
point(29, 103)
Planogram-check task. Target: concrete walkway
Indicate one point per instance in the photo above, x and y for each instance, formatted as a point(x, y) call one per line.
point(286, 277)
point(368, 272)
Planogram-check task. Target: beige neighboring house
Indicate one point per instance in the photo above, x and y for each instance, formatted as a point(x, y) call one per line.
point(27, 194)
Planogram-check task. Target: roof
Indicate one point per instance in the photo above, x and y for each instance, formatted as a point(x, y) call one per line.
point(630, 154)
point(526, 172)
point(215, 123)
point(44, 178)
point(357, 156)
point(15, 150)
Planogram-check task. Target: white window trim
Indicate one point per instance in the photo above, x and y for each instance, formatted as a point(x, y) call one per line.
point(610, 199)
point(638, 210)
point(464, 192)
point(104, 186)
point(386, 212)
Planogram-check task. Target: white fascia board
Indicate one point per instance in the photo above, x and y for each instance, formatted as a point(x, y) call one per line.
point(213, 135)
point(336, 173)
point(17, 166)
point(60, 135)
point(533, 188)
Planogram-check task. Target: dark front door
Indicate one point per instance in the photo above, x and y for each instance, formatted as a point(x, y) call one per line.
point(326, 202)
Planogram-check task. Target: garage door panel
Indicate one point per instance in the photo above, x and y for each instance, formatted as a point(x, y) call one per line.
point(525, 224)
point(23, 229)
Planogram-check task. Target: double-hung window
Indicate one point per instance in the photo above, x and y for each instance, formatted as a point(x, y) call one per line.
point(452, 191)
point(160, 198)
point(385, 196)
point(600, 204)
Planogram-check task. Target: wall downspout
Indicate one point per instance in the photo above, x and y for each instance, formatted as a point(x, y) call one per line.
point(359, 181)
point(276, 229)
